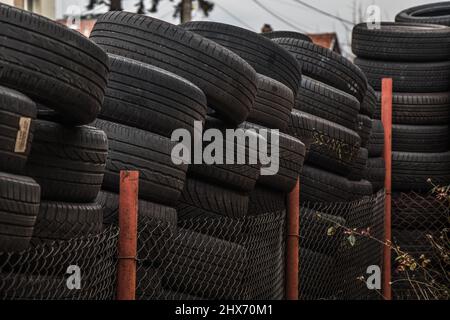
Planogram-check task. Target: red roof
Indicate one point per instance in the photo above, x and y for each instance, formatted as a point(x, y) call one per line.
point(85, 27)
point(326, 40)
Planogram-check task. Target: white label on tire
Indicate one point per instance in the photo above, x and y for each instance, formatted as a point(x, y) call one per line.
point(22, 135)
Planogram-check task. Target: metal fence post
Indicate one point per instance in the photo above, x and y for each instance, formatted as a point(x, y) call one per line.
point(292, 262)
point(128, 209)
point(386, 116)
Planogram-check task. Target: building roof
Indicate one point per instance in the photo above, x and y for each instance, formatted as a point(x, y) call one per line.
point(84, 26)
point(326, 40)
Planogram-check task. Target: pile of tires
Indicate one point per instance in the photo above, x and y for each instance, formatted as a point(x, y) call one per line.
point(416, 56)
point(331, 115)
point(226, 78)
point(52, 162)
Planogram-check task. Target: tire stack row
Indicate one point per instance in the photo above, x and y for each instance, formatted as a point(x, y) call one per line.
point(52, 162)
point(332, 114)
point(278, 76)
point(325, 116)
point(222, 84)
point(62, 160)
point(417, 58)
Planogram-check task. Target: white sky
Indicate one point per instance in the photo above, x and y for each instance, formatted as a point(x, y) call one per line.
point(247, 13)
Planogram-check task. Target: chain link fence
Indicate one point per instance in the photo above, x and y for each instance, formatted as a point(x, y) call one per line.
point(212, 258)
point(338, 242)
point(420, 257)
point(83, 268)
point(238, 259)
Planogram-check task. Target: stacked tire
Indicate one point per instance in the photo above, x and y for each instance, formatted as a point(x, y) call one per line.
point(66, 159)
point(52, 163)
point(264, 185)
point(156, 95)
point(416, 56)
point(328, 116)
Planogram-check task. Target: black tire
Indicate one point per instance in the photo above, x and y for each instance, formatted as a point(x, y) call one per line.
point(359, 167)
point(317, 185)
point(301, 126)
point(412, 138)
point(418, 108)
point(28, 287)
point(376, 140)
point(52, 64)
point(291, 157)
point(415, 242)
point(273, 105)
point(419, 212)
point(327, 102)
point(109, 202)
point(204, 200)
point(314, 231)
point(68, 162)
point(315, 268)
point(375, 173)
point(434, 13)
point(327, 66)
point(149, 98)
point(264, 200)
point(369, 103)
point(205, 266)
point(148, 283)
point(364, 129)
point(133, 149)
point(410, 171)
point(408, 76)
point(400, 42)
point(64, 221)
point(155, 235)
point(261, 53)
point(240, 177)
point(334, 147)
point(17, 115)
point(19, 207)
point(286, 34)
point(360, 189)
point(227, 80)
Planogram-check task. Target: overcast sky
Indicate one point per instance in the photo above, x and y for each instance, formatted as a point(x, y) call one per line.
point(280, 14)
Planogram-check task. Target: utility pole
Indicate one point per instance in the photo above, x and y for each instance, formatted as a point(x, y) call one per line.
point(186, 11)
point(116, 5)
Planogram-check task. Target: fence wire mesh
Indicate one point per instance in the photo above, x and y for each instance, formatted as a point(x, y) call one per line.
point(212, 258)
point(219, 258)
point(337, 245)
point(82, 268)
point(421, 255)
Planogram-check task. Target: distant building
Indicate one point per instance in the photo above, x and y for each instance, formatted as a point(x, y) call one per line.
point(84, 26)
point(326, 40)
point(46, 8)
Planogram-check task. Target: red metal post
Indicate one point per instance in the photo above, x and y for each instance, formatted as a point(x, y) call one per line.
point(292, 243)
point(128, 209)
point(386, 116)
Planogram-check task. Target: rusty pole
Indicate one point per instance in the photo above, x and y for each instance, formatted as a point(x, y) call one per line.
point(128, 209)
point(292, 243)
point(386, 116)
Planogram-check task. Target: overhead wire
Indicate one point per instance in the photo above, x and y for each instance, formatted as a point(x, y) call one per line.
point(234, 16)
point(307, 5)
point(262, 6)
